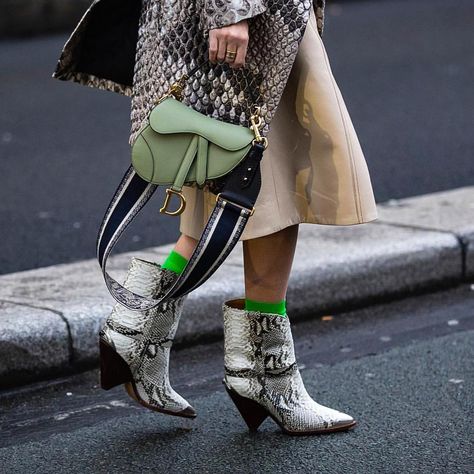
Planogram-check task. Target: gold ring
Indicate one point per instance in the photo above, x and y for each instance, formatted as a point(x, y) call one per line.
point(230, 54)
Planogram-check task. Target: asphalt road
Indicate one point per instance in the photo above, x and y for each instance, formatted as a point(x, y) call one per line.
point(403, 370)
point(405, 68)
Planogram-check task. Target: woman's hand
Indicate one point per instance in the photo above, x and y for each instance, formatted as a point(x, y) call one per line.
point(228, 39)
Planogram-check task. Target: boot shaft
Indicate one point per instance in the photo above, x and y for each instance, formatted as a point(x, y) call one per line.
point(143, 277)
point(254, 341)
point(130, 332)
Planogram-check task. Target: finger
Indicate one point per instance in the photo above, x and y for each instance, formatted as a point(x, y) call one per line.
point(240, 58)
point(221, 49)
point(213, 46)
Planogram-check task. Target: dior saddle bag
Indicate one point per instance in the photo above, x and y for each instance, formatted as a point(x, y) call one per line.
point(178, 146)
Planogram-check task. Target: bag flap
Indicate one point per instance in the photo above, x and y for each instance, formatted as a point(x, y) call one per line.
point(172, 116)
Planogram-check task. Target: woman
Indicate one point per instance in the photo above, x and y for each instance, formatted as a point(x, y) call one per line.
point(313, 171)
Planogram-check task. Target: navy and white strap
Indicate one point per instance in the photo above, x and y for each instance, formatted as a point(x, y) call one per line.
point(234, 206)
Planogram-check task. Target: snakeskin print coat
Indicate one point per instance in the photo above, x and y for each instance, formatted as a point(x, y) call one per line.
point(102, 51)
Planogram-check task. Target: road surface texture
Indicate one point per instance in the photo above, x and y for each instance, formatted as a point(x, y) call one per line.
point(403, 370)
point(405, 68)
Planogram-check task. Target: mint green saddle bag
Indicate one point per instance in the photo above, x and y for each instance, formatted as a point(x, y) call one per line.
point(180, 146)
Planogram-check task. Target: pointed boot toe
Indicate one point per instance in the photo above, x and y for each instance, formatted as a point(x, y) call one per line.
point(344, 421)
point(189, 412)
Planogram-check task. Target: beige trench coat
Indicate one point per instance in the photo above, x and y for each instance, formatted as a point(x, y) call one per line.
point(313, 170)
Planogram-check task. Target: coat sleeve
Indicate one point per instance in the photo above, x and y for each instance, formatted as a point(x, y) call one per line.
point(219, 13)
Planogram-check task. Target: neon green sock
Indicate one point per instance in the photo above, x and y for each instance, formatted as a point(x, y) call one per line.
point(264, 307)
point(175, 262)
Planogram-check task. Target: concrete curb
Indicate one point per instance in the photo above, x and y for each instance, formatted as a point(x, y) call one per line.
point(50, 317)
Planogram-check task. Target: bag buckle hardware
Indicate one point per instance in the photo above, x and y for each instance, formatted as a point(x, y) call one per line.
point(182, 204)
point(235, 204)
point(175, 90)
point(257, 123)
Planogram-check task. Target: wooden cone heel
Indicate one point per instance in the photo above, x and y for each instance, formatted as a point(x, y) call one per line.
point(113, 369)
point(252, 413)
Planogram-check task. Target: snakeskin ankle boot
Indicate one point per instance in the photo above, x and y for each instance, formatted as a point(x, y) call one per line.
point(135, 346)
point(262, 377)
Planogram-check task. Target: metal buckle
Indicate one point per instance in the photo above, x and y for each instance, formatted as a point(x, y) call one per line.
point(175, 90)
point(182, 204)
point(237, 205)
point(257, 123)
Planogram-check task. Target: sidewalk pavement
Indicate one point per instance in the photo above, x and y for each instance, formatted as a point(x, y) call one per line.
point(50, 317)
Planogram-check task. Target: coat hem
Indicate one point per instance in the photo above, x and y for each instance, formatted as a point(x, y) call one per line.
point(298, 220)
point(317, 221)
point(90, 80)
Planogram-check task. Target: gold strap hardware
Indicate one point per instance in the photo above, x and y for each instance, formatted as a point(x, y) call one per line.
point(235, 204)
point(176, 90)
point(257, 124)
point(182, 204)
